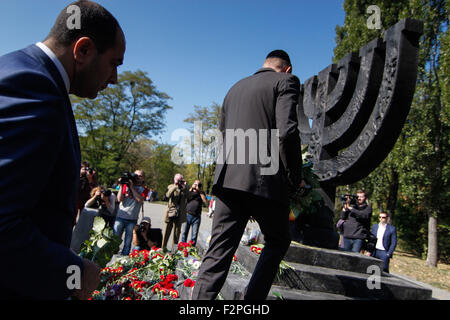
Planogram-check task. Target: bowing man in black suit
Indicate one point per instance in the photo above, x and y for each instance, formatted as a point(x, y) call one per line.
point(259, 164)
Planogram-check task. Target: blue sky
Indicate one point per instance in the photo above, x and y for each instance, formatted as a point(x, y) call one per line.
point(196, 50)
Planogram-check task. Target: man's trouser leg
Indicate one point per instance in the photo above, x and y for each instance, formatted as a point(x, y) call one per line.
point(167, 231)
point(233, 209)
point(176, 234)
point(273, 219)
point(381, 254)
point(228, 226)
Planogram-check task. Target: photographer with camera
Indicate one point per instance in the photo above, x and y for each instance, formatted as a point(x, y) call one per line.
point(105, 201)
point(195, 198)
point(102, 203)
point(88, 181)
point(130, 203)
point(356, 213)
point(175, 213)
point(145, 237)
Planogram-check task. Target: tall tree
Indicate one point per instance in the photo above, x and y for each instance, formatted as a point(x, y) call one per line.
point(429, 127)
point(204, 121)
point(110, 124)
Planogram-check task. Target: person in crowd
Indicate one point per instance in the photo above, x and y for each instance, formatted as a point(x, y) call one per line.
point(175, 213)
point(145, 193)
point(196, 197)
point(102, 202)
point(386, 240)
point(145, 237)
point(211, 207)
point(130, 200)
point(266, 101)
point(149, 195)
point(154, 196)
point(105, 201)
point(40, 152)
point(88, 181)
point(356, 222)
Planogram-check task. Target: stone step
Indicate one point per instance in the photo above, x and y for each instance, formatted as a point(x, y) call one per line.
point(235, 285)
point(332, 259)
point(299, 253)
point(312, 277)
point(351, 284)
point(329, 258)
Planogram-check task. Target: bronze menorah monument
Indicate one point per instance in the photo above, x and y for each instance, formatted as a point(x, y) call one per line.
point(357, 109)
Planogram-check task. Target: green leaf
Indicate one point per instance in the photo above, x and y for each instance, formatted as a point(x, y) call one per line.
point(278, 295)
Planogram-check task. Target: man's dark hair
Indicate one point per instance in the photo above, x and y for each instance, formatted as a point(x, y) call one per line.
point(97, 23)
point(280, 54)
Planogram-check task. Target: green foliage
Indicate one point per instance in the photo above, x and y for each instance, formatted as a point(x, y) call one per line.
point(101, 245)
point(309, 203)
point(411, 229)
point(121, 114)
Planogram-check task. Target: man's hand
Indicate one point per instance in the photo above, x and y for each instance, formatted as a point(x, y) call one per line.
point(89, 280)
point(302, 184)
point(301, 187)
point(90, 176)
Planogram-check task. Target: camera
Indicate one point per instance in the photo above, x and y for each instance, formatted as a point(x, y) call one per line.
point(353, 199)
point(99, 202)
point(180, 183)
point(127, 177)
point(142, 227)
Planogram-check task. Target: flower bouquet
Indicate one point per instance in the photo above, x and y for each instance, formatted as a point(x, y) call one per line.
point(148, 275)
point(307, 200)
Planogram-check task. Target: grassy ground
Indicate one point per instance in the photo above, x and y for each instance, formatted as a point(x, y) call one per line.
point(413, 267)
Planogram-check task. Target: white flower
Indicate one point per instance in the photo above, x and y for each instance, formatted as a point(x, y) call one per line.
point(196, 265)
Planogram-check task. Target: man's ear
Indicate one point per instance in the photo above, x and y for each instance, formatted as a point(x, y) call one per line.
point(84, 49)
point(288, 69)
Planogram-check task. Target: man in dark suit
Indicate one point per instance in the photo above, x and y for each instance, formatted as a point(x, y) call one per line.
point(386, 240)
point(255, 178)
point(40, 152)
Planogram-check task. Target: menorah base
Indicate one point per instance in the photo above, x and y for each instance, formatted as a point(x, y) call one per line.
point(314, 236)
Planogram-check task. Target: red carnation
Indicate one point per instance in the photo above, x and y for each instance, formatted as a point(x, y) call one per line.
point(189, 283)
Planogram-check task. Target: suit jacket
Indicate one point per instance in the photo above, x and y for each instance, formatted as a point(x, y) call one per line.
point(266, 100)
point(39, 176)
point(389, 238)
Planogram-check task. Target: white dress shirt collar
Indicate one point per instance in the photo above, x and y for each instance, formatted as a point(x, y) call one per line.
point(57, 63)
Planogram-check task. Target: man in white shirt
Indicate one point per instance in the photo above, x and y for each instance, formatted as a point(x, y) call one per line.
point(386, 240)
